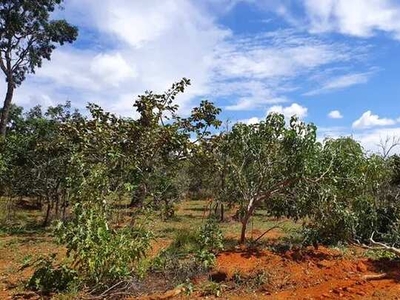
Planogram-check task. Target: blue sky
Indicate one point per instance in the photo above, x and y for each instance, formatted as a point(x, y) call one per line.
point(331, 62)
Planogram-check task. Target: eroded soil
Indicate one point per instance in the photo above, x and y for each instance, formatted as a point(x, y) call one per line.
point(313, 274)
point(241, 273)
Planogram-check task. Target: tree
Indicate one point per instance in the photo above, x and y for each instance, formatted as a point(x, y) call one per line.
point(27, 36)
point(36, 157)
point(162, 140)
point(263, 162)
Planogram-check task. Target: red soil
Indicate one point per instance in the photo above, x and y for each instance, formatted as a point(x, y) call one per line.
point(313, 274)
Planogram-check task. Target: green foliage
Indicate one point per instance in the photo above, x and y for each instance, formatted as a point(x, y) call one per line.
point(49, 278)
point(191, 253)
point(263, 163)
point(27, 36)
point(213, 289)
point(210, 236)
point(187, 287)
point(210, 241)
point(353, 198)
point(100, 254)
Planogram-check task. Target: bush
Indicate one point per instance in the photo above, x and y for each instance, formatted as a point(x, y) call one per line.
point(49, 278)
point(100, 254)
point(191, 253)
point(210, 236)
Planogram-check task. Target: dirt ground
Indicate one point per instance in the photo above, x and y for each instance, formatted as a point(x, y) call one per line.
point(306, 274)
point(240, 273)
point(314, 274)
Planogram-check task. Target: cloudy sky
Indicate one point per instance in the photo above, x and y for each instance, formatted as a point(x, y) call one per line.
point(332, 62)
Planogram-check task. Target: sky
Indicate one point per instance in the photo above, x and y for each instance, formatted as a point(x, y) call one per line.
point(331, 62)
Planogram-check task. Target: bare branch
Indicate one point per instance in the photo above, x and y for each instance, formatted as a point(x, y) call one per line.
point(270, 229)
point(378, 246)
point(388, 145)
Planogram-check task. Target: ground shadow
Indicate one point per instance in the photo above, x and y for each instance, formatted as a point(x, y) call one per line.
point(390, 267)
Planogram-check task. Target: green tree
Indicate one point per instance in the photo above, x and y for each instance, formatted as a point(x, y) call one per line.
point(350, 201)
point(36, 157)
point(162, 141)
point(27, 36)
point(263, 162)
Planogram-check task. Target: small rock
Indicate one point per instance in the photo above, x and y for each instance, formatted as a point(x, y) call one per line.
point(168, 295)
point(325, 295)
point(361, 267)
point(337, 290)
point(325, 264)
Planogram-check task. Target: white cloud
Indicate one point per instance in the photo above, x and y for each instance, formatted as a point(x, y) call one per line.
point(276, 55)
point(253, 120)
point(370, 139)
point(335, 114)
point(126, 49)
point(368, 120)
point(135, 46)
point(341, 82)
point(112, 68)
point(361, 18)
point(250, 103)
point(289, 111)
point(266, 66)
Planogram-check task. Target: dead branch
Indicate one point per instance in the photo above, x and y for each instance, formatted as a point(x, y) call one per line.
point(270, 229)
point(376, 246)
point(382, 246)
point(388, 145)
point(375, 276)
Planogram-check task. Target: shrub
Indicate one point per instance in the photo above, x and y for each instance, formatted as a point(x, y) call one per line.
point(100, 254)
point(49, 278)
point(191, 253)
point(210, 236)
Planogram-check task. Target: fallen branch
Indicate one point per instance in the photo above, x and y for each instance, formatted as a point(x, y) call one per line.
point(375, 276)
point(111, 288)
point(382, 246)
point(270, 229)
point(377, 246)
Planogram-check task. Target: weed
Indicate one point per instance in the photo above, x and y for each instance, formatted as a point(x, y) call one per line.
point(379, 254)
point(213, 289)
point(50, 278)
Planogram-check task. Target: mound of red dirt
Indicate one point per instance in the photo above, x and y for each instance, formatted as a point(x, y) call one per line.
point(313, 274)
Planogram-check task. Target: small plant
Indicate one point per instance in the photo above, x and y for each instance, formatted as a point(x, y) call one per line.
point(50, 278)
point(210, 236)
point(259, 278)
point(213, 289)
point(210, 242)
point(100, 254)
point(253, 281)
point(191, 252)
point(379, 254)
point(187, 287)
point(205, 258)
point(238, 278)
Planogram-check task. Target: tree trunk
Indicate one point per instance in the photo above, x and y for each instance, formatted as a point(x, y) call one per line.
point(139, 196)
point(249, 212)
point(47, 217)
point(6, 107)
point(243, 233)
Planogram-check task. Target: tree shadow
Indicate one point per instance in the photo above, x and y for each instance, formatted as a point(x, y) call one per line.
point(390, 267)
point(27, 229)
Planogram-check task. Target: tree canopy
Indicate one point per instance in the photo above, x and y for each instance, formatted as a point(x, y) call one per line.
point(27, 36)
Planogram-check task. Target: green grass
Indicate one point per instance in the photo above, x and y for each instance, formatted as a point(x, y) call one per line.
point(17, 221)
